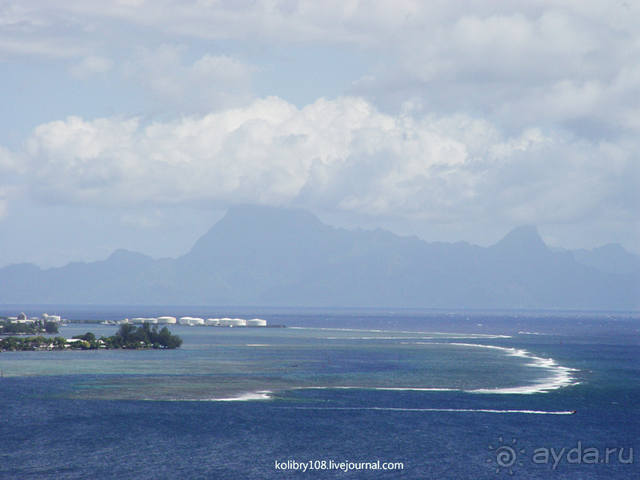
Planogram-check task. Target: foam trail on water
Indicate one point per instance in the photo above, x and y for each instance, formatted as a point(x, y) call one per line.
point(440, 334)
point(441, 410)
point(245, 397)
point(242, 397)
point(399, 389)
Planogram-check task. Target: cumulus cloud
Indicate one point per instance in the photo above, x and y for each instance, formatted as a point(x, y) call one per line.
point(518, 63)
point(568, 64)
point(12, 167)
point(521, 111)
point(31, 29)
point(340, 154)
point(9, 162)
point(211, 81)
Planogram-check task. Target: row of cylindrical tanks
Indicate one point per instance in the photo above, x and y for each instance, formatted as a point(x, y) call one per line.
point(22, 318)
point(197, 321)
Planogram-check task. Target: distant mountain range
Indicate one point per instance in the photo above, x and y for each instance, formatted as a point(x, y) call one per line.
point(266, 256)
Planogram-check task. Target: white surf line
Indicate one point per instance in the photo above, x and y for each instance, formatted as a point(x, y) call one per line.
point(560, 378)
point(441, 410)
point(442, 334)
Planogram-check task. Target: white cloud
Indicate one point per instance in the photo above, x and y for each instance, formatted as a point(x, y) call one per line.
point(211, 81)
point(3, 207)
point(517, 62)
point(9, 162)
point(29, 28)
point(11, 167)
point(91, 65)
point(339, 154)
point(521, 111)
point(44, 47)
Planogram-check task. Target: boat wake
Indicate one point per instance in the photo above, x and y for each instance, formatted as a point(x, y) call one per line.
point(441, 410)
point(245, 397)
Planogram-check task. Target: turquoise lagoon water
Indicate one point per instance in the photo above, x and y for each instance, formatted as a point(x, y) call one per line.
point(346, 387)
point(229, 363)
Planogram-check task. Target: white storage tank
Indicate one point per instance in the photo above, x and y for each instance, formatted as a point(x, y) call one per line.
point(233, 322)
point(191, 321)
point(256, 322)
point(167, 320)
point(144, 320)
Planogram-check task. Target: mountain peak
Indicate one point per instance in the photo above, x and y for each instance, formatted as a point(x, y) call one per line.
point(258, 227)
point(266, 214)
point(124, 255)
point(523, 238)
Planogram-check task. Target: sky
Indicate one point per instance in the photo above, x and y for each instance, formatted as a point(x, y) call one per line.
point(136, 124)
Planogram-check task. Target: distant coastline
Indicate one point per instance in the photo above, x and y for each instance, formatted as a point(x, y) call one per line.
point(21, 325)
point(128, 337)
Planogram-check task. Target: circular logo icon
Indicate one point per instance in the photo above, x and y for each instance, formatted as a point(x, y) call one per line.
point(505, 455)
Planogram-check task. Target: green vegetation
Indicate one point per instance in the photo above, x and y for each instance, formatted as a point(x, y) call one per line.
point(39, 326)
point(132, 337)
point(19, 344)
point(127, 337)
point(51, 327)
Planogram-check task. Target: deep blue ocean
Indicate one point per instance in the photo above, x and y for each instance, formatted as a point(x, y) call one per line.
point(449, 395)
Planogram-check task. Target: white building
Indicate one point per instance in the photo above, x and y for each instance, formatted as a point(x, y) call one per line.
point(141, 320)
point(233, 322)
point(167, 320)
point(191, 321)
point(256, 322)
